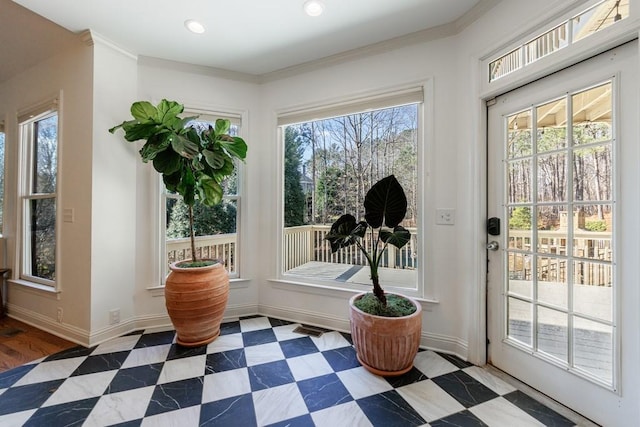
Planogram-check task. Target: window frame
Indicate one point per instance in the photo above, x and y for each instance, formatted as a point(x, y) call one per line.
point(358, 103)
point(26, 122)
point(239, 119)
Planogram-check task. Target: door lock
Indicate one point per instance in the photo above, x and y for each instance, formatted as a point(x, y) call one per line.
point(493, 245)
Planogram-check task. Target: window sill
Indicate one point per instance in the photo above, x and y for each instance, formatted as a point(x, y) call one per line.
point(335, 290)
point(158, 291)
point(36, 288)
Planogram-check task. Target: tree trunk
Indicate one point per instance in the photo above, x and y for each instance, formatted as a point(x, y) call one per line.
point(192, 234)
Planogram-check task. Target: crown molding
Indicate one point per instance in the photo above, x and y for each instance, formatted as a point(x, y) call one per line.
point(91, 38)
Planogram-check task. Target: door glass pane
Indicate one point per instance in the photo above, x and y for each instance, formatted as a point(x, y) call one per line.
point(520, 282)
point(552, 230)
point(593, 344)
point(552, 333)
point(552, 285)
point(592, 168)
point(519, 141)
point(592, 289)
point(551, 125)
point(593, 232)
point(520, 323)
point(552, 178)
point(592, 111)
point(519, 181)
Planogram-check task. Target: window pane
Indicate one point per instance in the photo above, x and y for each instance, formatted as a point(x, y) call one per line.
point(41, 237)
point(45, 155)
point(592, 110)
point(506, 64)
point(599, 17)
point(329, 165)
point(547, 43)
point(552, 178)
point(215, 228)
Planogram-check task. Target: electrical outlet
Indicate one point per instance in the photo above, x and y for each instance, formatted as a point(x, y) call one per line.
point(445, 216)
point(114, 316)
point(59, 315)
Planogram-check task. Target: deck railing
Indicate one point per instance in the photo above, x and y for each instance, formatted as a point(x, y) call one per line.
point(592, 254)
point(222, 247)
point(307, 243)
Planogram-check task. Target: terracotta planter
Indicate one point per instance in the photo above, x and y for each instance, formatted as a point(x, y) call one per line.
point(196, 299)
point(385, 346)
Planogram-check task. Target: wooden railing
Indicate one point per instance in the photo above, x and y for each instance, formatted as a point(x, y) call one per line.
point(222, 247)
point(591, 250)
point(307, 243)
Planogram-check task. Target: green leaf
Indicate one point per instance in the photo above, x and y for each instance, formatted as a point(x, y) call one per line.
point(214, 159)
point(135, 131)
point(168, 110)
point(222, 126)
point(398, 238)
point(210, 191)
point(237, 147)
point(187, 187)
point(143, 111)
point(167, 162)
point(184, 146)
point(171, 181)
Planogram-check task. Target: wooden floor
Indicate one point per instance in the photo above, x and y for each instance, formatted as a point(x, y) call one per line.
point(21, 343)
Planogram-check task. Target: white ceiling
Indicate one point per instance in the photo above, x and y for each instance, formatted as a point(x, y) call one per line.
point(249, 36)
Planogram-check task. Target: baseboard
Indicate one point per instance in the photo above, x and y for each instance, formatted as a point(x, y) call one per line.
point(161, 322)
point(37, 320)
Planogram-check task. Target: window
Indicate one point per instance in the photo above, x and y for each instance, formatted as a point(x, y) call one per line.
point(332, 156)
point(216, 227)
point(38, 180)
point(588, 22)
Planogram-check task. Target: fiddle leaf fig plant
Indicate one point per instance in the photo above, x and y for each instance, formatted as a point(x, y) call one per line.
point(193, 163)
point(385, 207)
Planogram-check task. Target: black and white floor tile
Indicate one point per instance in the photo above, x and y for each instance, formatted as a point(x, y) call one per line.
point(259, 372)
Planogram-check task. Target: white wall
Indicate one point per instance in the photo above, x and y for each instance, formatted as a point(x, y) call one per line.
point(68, 73)
point(114, 200)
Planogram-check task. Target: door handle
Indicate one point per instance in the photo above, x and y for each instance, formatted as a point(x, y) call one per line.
point(493, 245)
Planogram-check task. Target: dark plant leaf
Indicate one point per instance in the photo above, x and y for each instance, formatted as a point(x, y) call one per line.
point(385, 203)
point(345, 232)
point(398, 238)
point(167, 162)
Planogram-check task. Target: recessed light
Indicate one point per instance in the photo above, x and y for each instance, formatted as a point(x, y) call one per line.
point(194, 26)
point(313, 7)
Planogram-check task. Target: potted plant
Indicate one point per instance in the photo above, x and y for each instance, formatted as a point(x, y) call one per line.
point(193, 163)
point(385, 328)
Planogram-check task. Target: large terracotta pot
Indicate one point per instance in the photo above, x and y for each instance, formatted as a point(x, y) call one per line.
point(385, 346)
point(196, 299)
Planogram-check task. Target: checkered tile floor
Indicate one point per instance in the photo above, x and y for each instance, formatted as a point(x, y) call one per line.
point(257, 373)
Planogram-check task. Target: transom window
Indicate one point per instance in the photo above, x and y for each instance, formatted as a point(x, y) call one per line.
point(596, 18)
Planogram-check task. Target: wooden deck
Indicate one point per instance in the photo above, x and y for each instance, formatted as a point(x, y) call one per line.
point(355, 274)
